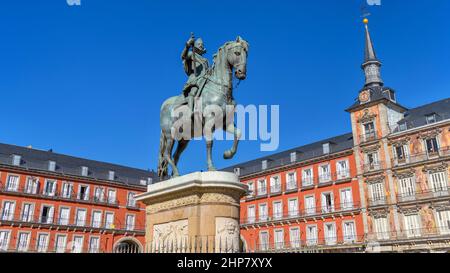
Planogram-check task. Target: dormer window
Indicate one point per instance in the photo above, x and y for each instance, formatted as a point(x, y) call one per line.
point(84, 171)
point(237, 171)
point(402, 126)
point(16, 159)
point(293, 157)
point(431, 118)
point(111, 175)
point(143, 182)
point(326, 148)
point(149, 181)
point(51, 166)
point(264, 164)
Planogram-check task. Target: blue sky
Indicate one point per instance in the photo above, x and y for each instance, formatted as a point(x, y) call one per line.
point(89, 81)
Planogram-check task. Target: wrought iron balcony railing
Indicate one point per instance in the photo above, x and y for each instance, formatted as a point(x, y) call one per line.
point(421, 157)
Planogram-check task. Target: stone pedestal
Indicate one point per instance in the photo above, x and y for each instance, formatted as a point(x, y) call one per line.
point(198, 212)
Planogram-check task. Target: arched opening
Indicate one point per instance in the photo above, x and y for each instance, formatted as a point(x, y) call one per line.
point(127, 245)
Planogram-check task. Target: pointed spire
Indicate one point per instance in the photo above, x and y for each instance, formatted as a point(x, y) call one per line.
point(371, 65)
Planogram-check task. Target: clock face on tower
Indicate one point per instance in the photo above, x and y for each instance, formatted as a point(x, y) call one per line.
point(364, 96)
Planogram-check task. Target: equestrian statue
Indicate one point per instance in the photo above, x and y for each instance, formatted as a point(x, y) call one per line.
point(206, 87)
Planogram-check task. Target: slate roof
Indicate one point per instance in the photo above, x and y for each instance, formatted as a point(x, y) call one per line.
point(416, 117)
point(377, 93)
point(69, 165)
point(306, 152)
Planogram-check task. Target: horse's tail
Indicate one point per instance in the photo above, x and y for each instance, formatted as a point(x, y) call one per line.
point(162, 162)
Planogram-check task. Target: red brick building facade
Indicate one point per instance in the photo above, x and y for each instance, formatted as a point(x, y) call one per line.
point(55, 203)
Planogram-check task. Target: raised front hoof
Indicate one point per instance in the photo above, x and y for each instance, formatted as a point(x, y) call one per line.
point(228, 155)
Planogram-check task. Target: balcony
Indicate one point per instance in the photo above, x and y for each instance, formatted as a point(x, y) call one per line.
point(22, 191)
point(262, 191)
point(378, 201)
point(368, 137)
point(373, 166)
point(412, 234)
point(442, 152)
point(346, 208)
point(437, 193)
point(291, 186)
point(275, 189)
point(43, 221)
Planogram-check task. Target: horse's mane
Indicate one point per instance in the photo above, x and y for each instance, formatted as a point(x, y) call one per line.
point(221, 49)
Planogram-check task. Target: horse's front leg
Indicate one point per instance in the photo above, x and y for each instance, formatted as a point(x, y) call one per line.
point(231, 128)
point(209, 146)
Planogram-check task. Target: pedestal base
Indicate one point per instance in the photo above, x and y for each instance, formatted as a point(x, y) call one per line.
point(198, 212)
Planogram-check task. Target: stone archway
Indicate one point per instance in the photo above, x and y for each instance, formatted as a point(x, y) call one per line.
point(128, 245)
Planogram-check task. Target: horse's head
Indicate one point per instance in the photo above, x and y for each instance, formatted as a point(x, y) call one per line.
point(237, 52)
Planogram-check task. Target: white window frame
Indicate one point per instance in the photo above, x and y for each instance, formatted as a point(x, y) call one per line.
point(77, 248)
point(20, 247)
point(263, 217)
point(264, 240)
point(293, 211)
point(251, 218)
point(60, 248)
point(39, 246)
point(262, 190)
point(330, 239)
point(346, 204)
point(311, 238)
point(294, 237)
point(407, 188)
point(106, 224)
point(438, 182)
point(412, 225)
point(381, 227)
point(310, 210)
point(349, 238)
point(61, 220)
point(96, 223)
point(342, 173)
point(131, 201)
point(52, 190)
point(277, 214)
point(307, 180)
point(12, 186)
point(324, 205)
point(128, 225)
point(87, 192)
point(112, 199)
point(78, 221)
point(278, 239)
point(32, 185)
point(67, 190)
point(324, 176)
point(251, 188)
point(97, 247)
point(50, 216)
point(291, 180)
point(443, 221)
point(30, 215)
point(4, 244)
point(9, 214)
point(275, 184)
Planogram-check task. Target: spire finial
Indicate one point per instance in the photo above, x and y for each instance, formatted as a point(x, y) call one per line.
point(371, 65)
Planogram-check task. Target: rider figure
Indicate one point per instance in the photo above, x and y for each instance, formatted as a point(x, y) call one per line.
point(196, 67)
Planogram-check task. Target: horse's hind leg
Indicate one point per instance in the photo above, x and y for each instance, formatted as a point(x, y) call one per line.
point(209, 145)
point(169, 147)
point(182, 144)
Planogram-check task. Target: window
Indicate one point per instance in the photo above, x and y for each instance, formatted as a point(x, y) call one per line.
point(402, 126)
point(32, 185)
point(432, 146)
point(293, 207)
point(291, 181)
point(342, 169)
point(80, 219)
point(264, 164)
point(49, 187)
point(8, 210)
point(294, 237)
point(143, 182)
point(264, 240)
point(47, 214)
point(51, 166)
point(27, 212)
point(349, 232)
point(111, 196)
point(262, 187)
point(330, 233)
point(443, 221)
point(97, 219)
point(310, 205)
point(369, 131)
point(293, 157)
point(99, 194)
point(67, 190)
point(83, 192)
point(64, 215)
point(251, 188)
point(130, 222)
point(327, 202)
point(23, 240)
point(377, 194)
point(42, 243)
point(381, 228)
point(4, 240)
point(77, 246)
point(112, 175)
point(372, 162)
point(346, 199)
point(251, 214)
point(311, 235)
point(407, 188)
point(60, 243)
point(16, 160)
point(439, 182)
point(277, 210)
point(279, 239)
point(412, 226)
point(237, 171)
point(401, 153)
point(109, 220)
point(275, 184)
point(94, 245)
point(326, 148)
point(263, 212)
point(131, 200)
point(324, 173)
point(431, 118)
point(84, 171)
point(307, 177)
point(12, 183)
